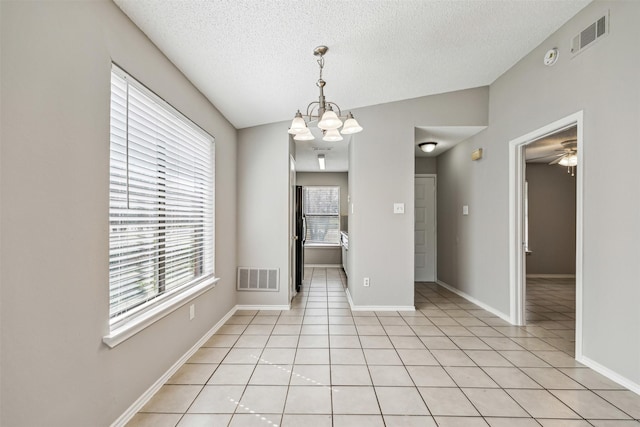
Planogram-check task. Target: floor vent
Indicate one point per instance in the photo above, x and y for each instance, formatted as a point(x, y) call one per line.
point(593, 32)
point(258, 279)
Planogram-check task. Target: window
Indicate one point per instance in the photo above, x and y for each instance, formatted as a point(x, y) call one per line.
point(322, 212)
point(160, 202)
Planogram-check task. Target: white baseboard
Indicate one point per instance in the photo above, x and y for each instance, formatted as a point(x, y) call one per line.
point(613, 376)
point(147, 395)
point(377, 307)
point(262, 307)
point(551, 276)
point(475, 301)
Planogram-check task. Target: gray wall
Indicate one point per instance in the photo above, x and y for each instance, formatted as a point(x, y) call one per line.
point(263, 207)
point(381, 173)
point(55, 82)
point(326, 255)
point(552, 220)
point(426, 165)
point(603, 82)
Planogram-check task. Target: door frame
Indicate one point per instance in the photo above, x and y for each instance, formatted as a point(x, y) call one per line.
point(292, 229)
point(435, 219)
point(517, 261)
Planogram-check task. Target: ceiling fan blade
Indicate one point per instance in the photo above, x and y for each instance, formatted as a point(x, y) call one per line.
point(556, 161)
point(548, 156)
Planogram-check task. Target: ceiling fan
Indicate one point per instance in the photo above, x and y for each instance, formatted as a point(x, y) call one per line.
point(567, 156)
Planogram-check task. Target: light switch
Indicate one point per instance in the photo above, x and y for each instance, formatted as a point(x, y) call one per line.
point(465, 210)
point(398, 208)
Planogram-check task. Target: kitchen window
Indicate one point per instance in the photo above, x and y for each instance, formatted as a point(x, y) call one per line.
point(161, 207)
point(322, 214)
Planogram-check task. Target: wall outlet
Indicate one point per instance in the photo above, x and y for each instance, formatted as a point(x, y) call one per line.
point(366, 282)
point(192, 311)
point(398, 208)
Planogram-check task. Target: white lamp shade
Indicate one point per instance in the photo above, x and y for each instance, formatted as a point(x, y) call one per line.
point(332, 135)
point(329, 121)
point(428, 147)
point(298, 125)
point(305, 135)
point(350, 126)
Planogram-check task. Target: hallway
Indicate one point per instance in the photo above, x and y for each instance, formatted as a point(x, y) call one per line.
point(447, 364)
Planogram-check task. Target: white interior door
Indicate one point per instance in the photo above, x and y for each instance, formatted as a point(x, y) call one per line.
point(425, 229)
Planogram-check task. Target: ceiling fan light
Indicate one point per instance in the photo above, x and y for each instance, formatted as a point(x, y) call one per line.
point(350, 126)
point(329, 121)
point(305, 135)
point(427, 147)
point(298, 125)
point(569, 160)
point(332, 135)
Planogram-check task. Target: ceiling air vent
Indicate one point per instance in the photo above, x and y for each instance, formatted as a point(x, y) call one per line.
point(257, 279)
point(593, 32)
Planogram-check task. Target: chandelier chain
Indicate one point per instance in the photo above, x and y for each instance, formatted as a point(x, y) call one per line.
point(321, 64)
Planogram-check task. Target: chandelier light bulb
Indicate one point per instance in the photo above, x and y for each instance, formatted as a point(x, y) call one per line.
point(298, 124)
point(305, 135)
point(332, 135)
point(350, 126)
point(329, 121)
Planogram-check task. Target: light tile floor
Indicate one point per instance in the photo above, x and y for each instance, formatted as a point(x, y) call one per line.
point(447, 364)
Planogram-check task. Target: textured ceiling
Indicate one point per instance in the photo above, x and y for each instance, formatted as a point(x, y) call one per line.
point(254, 59)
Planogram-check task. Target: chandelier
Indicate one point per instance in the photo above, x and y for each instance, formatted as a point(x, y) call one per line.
point(321, 111)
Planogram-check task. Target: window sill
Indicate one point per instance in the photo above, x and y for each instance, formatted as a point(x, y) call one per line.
point(320, 246)
point(148, 318)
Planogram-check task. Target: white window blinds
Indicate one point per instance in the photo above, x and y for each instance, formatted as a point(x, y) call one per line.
point(322, 213)
point(161, 219)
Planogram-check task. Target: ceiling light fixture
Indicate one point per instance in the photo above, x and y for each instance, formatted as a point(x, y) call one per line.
point(569, 158)
point(321, 161)
point(321, 111)
point(428, 147)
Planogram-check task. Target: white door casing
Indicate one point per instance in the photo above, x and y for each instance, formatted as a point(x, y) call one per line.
point(292, 228)
point(425, 228)
point(517, 257)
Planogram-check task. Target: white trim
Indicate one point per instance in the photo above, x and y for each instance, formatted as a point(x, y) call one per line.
point(613, 376)
point(323, 265)
point(147, 395)
point(262, 307)
point(471, 299)
point(377, 307)
point(151, 316)
point(551, 276)
point(435, 218)
point(517, 281)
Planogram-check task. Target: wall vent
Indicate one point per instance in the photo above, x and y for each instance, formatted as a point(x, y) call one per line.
point(258, 279)
point(589, 35)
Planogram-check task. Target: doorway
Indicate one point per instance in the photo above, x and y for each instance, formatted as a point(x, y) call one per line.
point(425, 228)
point(518, 226)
